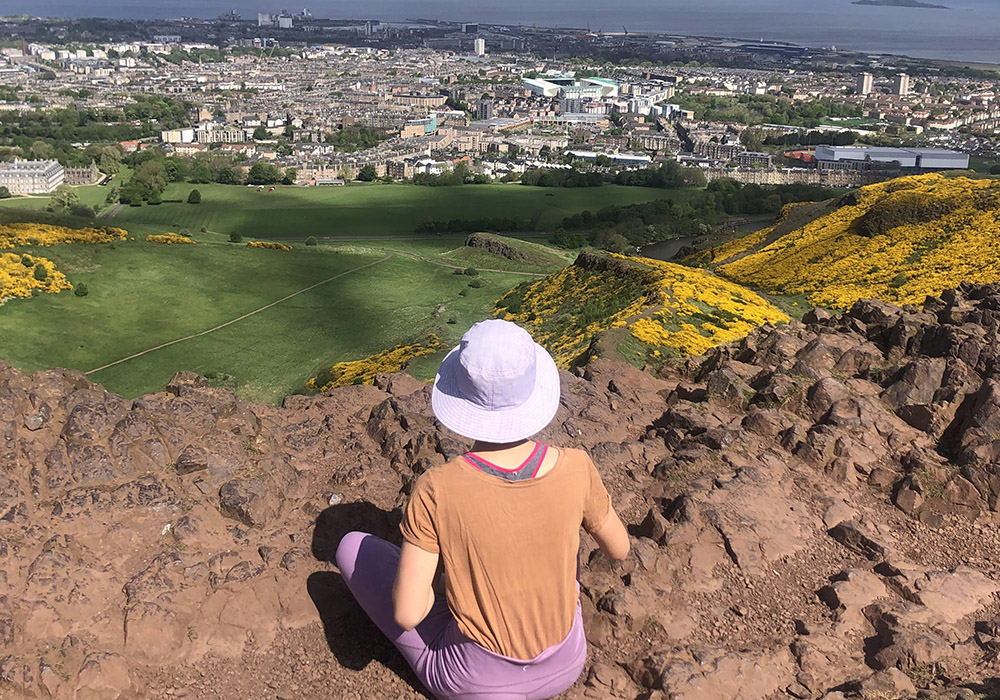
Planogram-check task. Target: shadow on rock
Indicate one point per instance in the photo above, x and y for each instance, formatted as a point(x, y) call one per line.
point(336, 521)
point(353, 638)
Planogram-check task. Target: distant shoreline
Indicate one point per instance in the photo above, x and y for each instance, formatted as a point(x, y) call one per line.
point(900, 3)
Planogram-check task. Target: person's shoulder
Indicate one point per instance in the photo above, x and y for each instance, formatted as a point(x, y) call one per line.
point(574, 458)
point(442, 473)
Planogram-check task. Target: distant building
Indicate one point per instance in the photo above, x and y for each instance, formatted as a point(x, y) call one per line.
point(479, 46)
point(31, 176)
point(922, 158)
point(865, 83)
point(167, 38)
point(89, 175)
point(484, 109)
point(284, 22)
point(567, 87)
point(753, 158)
point(470, 28)
point(901, 85)
point(264, 19)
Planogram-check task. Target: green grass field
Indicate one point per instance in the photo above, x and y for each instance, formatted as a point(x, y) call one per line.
point(143, 295)
point(358, 209)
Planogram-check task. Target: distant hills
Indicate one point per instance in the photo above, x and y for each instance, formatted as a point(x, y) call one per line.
point(900, 3)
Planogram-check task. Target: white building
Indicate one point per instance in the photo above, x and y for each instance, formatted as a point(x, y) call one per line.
point(925, 158)
point(865, 83)
point(479, 45)
point(31, 176)
point(901, 85)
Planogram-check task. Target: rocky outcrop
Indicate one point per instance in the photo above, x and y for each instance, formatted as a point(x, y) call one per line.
point(496, 246)
point(813, 512)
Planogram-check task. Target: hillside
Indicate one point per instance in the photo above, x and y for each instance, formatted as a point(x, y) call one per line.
point(664, 308)
point(812, 512)
point(898, 241)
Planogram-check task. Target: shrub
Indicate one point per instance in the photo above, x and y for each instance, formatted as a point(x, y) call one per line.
point(452, 320)
point(81, 290)
point(194, 197)
point(463, 292)
point(268, 245)
point(311, 240)
point(184, 232)
point(476, 283)
point(235, 238)
point(27, 261)
point(204, 229)
point(471, 271)
point(41, 274)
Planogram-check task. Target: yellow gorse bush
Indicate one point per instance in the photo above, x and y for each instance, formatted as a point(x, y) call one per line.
point(169, 238)
point(676, 310)
point(23, 234)
point(18, 280)
point(363, 371)
point(268, 245)
point(899, 241)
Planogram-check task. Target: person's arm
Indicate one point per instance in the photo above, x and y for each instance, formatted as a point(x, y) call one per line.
point(612, 537)
point(413, 591)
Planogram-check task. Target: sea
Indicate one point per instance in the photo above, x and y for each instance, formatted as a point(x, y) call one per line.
point(969, 31)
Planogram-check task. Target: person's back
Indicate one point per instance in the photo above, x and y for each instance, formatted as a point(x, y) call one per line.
point(509, 547)
point(504, 521)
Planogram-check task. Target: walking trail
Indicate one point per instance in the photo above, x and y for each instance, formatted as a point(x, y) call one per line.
point(240, 318)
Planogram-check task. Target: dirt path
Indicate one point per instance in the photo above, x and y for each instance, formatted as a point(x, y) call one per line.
point(240, 318)
point(114, 211)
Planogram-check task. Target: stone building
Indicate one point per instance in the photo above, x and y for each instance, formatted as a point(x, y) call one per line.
point(89, 175)
point(31, 176)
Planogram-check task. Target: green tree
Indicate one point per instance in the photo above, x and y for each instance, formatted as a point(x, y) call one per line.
point(152, 175)
point(200, 173)
point(367, 173)
point(153, 197)
point(311, 240)
point(27, 261)
point(226, 176)
point(262, 173)
point(5, 193)
point(81, 290)
point(290, 175)
point(42, 150)
point(261, 133)
point(235, 237)
point(40, 273)
point(65, 196)
point(194, 197)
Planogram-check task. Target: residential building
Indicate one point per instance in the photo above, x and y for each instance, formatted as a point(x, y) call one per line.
point(901, 85)
point(865, 84)
point(479, 46)
point(31, 176)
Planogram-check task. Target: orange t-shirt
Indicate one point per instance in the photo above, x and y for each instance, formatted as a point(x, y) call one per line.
point(509, 548)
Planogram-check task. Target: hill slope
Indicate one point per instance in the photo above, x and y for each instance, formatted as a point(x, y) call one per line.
point(671, 309)
point(898, 241)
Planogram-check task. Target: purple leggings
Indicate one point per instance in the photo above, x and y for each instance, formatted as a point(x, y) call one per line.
point(450, 665)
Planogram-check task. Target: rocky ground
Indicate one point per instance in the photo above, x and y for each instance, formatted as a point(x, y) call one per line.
point(814, 513)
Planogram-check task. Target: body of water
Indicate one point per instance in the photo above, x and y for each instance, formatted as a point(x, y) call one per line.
point(969, 31)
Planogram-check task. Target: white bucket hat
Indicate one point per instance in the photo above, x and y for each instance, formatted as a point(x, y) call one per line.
point(497, 386)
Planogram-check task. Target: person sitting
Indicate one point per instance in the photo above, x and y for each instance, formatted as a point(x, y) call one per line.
point(503, 522)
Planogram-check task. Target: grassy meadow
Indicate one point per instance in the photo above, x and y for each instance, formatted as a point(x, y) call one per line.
point(143, 294)
point(358, 209)
point(391, 287)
